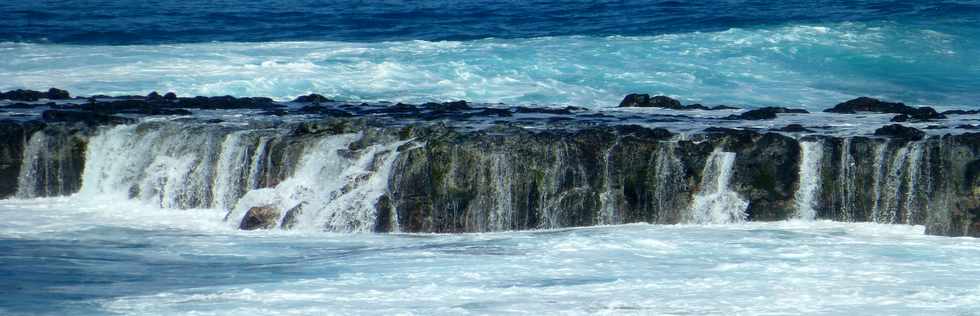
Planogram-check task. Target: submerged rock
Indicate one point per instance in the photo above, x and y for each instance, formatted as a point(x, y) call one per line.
point(260, 217)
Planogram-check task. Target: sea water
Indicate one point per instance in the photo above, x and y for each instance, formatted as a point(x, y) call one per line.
point(744, 53)
point(105, 256)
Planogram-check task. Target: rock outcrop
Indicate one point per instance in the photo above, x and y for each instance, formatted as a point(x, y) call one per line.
point(866, 104)
point(260, 217)
point(411, 168)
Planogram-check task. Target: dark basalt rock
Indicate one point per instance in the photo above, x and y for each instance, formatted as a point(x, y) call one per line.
point(292, 216)
point(730, 131)
point(170, 96)
point(793, 128)
point(276, 112)
point(13, 137)
point(312, 98)
point(225, 102)
point(698, 106)
point(766, 113)
point(645, 101)
point(900, 118)
point(260, 217)
point(495, 112)
point(643, 132)
point(961, 112)
point(900, 131)
point(132, 106)
point(866, 104)
point(83, 117)
point(765, 174)
point(553, 111)
point(31, 95)
point(319, 109)
point(454, 106)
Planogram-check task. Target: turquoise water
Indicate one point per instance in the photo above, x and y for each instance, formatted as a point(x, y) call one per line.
point(813, 66)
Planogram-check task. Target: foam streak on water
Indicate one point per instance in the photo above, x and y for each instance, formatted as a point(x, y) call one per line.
point(813, 66)
point(114, 256)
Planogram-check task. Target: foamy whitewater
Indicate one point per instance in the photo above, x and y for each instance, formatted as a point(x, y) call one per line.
point(94, 256)
point(152, 224)
point(812, 66)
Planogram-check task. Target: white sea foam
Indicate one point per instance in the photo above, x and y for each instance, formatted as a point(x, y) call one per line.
point(794, 267)
point(805, 65)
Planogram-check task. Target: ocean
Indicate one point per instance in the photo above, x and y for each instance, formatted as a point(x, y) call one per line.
point(742, 53)
point(153, 226)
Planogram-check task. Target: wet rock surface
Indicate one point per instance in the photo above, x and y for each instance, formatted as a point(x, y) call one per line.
point(899, 131)
point(766, 113)
point(467, 167)
point(31, 95)
point(866, 104)
point(260, 217)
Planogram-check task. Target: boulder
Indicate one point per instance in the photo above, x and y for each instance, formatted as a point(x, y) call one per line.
point(645, 101)
point(900, 118)
point(793, 128)
point(766, 113)
point(311, 98)
point(866, 104)
point(31, 95)
point(260, 217)
point(901, 132)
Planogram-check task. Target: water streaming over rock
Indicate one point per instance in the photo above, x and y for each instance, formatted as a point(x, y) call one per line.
point(716, 203)
point(355, 178)
point(809, 185)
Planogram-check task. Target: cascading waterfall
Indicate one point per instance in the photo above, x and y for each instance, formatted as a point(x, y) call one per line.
point(608, 198)
point(50, 163)
point(670, 181)
point(334, 188)
point(716, 203)
point(896, 190)
point(845, 188)
point(317, 181)
point(809, 185)
point(171, 165)
point(501, 217)
point(30, 183)
point(880, 168)
point(913, 191)
point(239, 166)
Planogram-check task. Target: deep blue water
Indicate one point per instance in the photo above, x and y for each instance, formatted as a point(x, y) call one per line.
point(179, 21)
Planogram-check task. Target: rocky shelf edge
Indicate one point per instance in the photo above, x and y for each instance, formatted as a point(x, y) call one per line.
point(440, 178)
